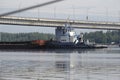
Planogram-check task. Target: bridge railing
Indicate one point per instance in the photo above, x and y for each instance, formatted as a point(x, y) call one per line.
point(58, 22)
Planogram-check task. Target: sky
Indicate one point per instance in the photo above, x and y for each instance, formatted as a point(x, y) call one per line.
point(97, 10)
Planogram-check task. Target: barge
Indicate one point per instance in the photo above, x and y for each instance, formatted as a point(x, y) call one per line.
point(66, 38)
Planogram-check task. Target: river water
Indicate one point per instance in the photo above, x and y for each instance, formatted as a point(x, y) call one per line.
point(91, 64)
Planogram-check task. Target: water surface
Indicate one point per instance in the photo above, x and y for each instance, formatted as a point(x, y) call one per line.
point(92, 64)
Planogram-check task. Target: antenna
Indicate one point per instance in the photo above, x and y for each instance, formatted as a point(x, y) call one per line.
point(87, 16)
point(31, 7)
point(19, 7)
point(73, 12)
point(68, 20)
point(54, 12)
point(107, 14)
point(119, 15)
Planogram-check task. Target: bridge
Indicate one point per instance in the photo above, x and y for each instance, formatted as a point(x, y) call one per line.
point(42, 22)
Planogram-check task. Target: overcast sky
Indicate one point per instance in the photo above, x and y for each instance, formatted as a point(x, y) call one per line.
point(74, 9)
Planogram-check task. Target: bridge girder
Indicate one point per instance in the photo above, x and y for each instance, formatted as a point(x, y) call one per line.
point(8, 20)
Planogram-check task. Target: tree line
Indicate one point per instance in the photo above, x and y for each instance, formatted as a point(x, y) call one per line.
point(97, 37)
point(10, 37)
point(103, 37)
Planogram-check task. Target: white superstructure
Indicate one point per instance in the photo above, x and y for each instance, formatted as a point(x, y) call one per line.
point(66, 34)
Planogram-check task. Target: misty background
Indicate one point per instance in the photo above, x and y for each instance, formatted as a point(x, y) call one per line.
point(96, 10)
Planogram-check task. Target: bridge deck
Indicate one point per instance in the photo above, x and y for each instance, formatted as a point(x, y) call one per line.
point(58, 22)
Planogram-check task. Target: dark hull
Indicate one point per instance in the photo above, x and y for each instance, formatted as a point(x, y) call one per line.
point(59, 45)
point(18, 45)
point(47, 45)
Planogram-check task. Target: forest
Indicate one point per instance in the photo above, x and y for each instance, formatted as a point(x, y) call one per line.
point(10, 37)
point(97, 37)
point(103, 37)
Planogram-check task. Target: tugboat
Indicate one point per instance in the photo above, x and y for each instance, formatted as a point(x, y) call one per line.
point(67, 38)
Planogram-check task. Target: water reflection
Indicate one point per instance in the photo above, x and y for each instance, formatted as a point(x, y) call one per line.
point(56, 65)
point(51, 50)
